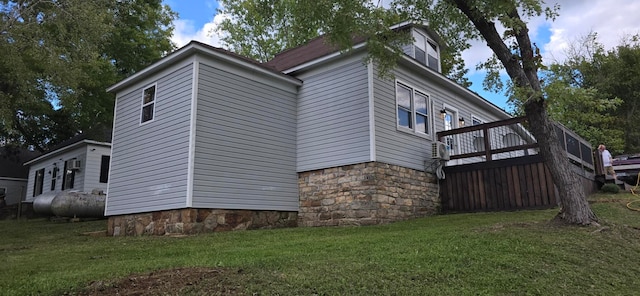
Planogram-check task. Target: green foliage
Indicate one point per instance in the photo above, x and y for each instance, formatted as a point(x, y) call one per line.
point(596, 93)
point(461, 254)
point(57, 58)
point(610, 188)
point(260, 29)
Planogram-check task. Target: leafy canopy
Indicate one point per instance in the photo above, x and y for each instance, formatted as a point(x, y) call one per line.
point(58, 57)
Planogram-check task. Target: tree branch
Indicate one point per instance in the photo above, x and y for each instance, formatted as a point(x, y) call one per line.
point(526, 51)
point(488, 31)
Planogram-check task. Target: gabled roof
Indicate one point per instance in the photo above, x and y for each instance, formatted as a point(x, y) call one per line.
point(195, 47)
point(314, 49)
point(101, 138)
point(319, 47)
point(318, 51)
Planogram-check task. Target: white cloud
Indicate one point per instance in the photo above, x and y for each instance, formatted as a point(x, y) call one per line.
point(185, 31)
point(611, 19)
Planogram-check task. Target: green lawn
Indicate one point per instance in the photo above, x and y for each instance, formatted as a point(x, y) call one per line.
point(513, 253)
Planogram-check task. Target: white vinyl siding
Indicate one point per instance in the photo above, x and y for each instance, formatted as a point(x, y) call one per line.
point(333, 116)
point(149, 161)
point(92, 167)
point(245, 144)
point(85, 179)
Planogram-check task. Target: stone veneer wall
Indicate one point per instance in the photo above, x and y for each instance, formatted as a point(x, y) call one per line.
point(365, 194)
point(193, 221)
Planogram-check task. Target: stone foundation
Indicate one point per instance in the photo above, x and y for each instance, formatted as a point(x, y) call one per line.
point(194, 221)
point(365, 194)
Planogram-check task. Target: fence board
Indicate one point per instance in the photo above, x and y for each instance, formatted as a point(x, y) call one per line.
point(509, 184)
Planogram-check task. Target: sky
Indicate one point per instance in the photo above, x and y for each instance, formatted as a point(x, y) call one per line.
point(611, 19)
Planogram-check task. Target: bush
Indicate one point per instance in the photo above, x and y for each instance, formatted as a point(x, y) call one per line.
point(610, 188)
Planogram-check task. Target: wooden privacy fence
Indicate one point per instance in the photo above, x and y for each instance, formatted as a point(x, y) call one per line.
point(496, 166)
point(501, 185)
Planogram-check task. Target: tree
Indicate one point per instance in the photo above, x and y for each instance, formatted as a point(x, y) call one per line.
point(576, 101)
point(58, 57)
point(260, 29)
point(459, 21)
point(616, 74)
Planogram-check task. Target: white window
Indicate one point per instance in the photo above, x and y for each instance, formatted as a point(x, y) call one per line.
point(426, 51)
point(476, 120)
point(478, 137)
point(148, 103)
point(412, 109)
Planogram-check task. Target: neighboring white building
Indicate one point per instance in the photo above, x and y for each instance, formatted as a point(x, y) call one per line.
point(78, 164)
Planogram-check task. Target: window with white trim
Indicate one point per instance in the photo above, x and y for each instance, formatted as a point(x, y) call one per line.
point(478, 137)
point(148, 103)
point(426, 51)
point(476, 120)
point(412, 109)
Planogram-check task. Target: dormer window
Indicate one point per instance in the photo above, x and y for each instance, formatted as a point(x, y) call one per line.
point(426, 51)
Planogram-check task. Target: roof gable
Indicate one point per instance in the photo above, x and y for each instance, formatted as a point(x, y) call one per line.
point(314, 49)
point(195, 47)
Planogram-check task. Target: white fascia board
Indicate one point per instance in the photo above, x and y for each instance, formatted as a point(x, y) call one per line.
point(323, 59)
point(438, 76)
point(195, 47)
point(192, 131)
point(372, 117)
point(65, 148)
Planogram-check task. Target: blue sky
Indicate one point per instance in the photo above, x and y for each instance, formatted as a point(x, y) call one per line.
point(611, 19)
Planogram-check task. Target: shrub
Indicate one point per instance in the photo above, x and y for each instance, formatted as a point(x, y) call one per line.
point(610, 188)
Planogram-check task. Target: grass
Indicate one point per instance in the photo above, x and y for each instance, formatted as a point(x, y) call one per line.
point(512, 253)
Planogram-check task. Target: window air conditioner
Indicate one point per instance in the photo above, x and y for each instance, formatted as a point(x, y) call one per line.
point(73, 164)
point(440, 150)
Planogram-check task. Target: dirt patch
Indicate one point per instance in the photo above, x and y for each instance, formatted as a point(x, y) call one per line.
point(178, 281)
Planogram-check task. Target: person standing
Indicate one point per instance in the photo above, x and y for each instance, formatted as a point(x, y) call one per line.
point(607, 161)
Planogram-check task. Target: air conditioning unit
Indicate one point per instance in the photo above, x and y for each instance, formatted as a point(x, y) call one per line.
point(440, 150)
point(74, 164)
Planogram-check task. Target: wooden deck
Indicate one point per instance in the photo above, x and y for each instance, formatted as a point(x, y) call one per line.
point(496, 167)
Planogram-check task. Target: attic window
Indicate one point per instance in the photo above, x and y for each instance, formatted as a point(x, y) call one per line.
point(148, 103)
point(426, 51)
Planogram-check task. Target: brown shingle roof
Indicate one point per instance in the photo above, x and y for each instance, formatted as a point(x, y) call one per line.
point(314, 49)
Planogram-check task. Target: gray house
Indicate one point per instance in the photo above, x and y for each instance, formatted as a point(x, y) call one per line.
point(206, 140)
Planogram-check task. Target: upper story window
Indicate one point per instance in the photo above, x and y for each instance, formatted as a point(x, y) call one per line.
point(412, 109)
point(426, 51)
point(148, 103)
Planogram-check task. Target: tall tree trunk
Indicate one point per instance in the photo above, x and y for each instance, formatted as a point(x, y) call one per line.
point(574, 207)
point(522, 69)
